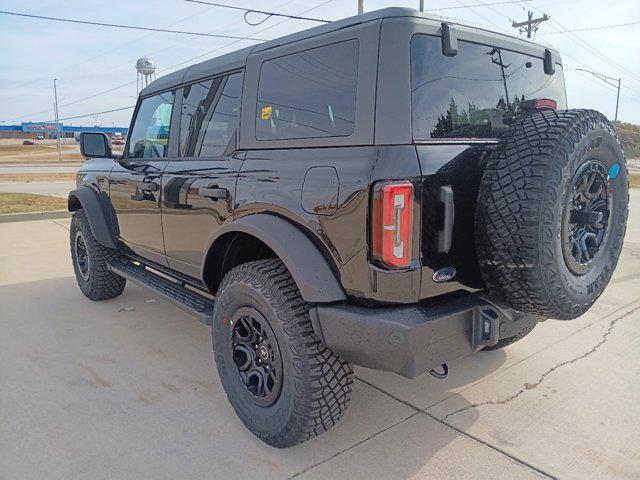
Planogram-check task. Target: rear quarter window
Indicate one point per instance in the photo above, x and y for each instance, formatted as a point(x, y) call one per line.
point(308, 94)
point(469, 95)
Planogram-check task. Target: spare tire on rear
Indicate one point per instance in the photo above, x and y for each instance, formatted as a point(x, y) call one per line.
point(552, 212)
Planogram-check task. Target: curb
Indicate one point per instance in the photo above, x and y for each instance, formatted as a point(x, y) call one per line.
point(25, 217)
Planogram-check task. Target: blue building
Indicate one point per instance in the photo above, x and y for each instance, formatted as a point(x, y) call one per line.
point(50, 130)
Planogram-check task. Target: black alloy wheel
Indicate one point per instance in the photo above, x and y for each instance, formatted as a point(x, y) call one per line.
point(82, 255)
point(284, 384)
point(91, 261)
point(256, 355)
point(586, 216)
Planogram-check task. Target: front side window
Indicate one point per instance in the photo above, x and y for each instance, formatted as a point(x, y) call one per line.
point(470, 94)
point(210, 116)
point(308, 94)
point(150, 133)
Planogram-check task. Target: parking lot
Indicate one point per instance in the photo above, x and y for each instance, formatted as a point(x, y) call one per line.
point(127, 388)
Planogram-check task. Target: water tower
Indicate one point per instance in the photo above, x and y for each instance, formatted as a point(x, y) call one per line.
point(146, 69)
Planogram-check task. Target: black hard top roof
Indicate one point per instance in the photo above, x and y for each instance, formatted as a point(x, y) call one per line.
point(237, 59)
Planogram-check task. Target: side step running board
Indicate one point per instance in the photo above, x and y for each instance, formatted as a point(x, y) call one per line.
point(197, 305)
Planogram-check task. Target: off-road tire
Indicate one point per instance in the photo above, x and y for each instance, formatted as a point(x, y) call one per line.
point(101, 283)
point(521, 206)
point(316, 384)
point(504, 342)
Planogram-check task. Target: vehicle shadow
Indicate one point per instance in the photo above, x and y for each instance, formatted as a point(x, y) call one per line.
point(132, 381)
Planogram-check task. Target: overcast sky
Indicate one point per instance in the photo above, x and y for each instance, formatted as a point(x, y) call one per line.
point(89, 60)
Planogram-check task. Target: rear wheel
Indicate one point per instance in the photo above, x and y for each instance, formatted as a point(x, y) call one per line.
point(91, 260)
point(552, 212)
point(281, 380)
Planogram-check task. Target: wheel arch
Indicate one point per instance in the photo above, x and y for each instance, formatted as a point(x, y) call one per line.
point(260, 236)
point(89, 200)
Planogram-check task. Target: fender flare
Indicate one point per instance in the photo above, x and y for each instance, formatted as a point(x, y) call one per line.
point(308, 267)
point(88, 199)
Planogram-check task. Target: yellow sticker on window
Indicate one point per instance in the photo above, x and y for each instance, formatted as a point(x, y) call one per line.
point(266, 113)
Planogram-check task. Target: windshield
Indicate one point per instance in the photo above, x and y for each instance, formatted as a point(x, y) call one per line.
point(470, 94)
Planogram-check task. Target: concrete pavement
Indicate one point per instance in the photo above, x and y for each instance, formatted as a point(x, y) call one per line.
point(126, 388)
point(27, 168)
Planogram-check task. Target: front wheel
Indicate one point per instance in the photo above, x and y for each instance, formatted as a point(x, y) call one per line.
point(283, 382)
point(91, 261)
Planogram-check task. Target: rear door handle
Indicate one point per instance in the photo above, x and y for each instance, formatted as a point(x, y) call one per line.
point(213, 193)
point(148, 186)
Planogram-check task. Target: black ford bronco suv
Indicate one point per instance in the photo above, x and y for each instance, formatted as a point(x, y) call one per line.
point(392, 190)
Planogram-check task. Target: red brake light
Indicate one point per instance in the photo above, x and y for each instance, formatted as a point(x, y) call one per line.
point(544, 103)
point(392, 225)
point(539, 104)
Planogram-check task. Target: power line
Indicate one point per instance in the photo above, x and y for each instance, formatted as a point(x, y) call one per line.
point(162, 70)
point(470, 7)
point(262, 12)
point(591, 28)
point(131, 27)
point(567, 55)
point(581, 43)
point(232, 43)
point(489, 6)
point(602, 84)
point(457, 7)
point(92, 114)
point(178, 65)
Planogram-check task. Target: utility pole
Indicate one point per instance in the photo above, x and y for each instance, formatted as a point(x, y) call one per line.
point(531, 24)
point(614, 82)
point(360, 7)
point(422, 5)
point(502, 68)
point(55, 97)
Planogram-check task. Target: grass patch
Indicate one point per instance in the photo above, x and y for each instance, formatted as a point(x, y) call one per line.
point(17, 149)
point(26, 202)
point(15, 153)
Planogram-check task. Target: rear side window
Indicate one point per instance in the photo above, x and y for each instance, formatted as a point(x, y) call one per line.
point(150, 133)
point(468, 95)
point(308, 94)
point(210, 115)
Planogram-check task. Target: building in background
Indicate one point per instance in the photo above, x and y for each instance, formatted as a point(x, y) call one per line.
point(28, 130)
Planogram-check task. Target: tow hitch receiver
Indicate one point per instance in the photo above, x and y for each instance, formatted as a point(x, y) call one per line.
point(486, 327)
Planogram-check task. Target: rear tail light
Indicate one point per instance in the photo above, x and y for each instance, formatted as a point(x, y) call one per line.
point(392, 225)
point(539, 104)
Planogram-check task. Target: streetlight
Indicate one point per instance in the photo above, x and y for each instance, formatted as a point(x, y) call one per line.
point(614, 82)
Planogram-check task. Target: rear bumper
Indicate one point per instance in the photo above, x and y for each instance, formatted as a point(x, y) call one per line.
point(412, 339)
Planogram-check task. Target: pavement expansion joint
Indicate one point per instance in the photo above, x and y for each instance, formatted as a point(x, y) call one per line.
point(530, 386)
point(297, 474)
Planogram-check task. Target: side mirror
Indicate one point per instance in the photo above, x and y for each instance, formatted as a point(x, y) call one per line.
point(95, 145)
